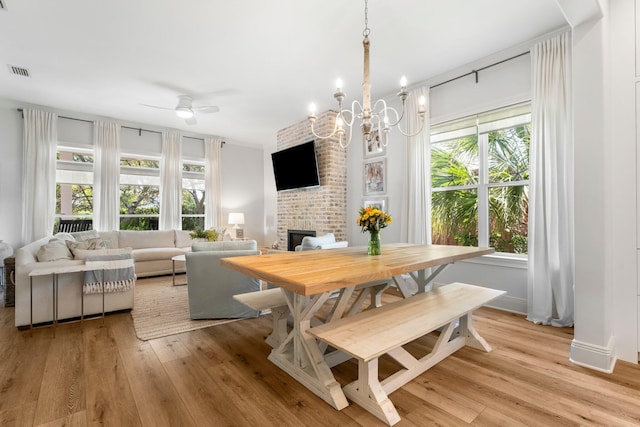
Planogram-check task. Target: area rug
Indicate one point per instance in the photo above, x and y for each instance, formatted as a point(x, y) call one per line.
point(160, 310)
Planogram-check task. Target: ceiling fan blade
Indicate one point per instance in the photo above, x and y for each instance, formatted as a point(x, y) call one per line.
point(157, 106)
point(191, 121)
point(207, 109)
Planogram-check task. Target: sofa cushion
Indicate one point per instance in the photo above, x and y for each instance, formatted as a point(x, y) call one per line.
point(55, 249)
point(110, 238)
point(183, 239)
point(237, 245)
point(147, 239)
point(155, 254)
point(83, 253)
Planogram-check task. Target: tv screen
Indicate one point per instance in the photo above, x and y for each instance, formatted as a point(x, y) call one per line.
point(296, 167)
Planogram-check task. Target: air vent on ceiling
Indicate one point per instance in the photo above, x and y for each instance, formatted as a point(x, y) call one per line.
point(3, 4)
point(19, 71)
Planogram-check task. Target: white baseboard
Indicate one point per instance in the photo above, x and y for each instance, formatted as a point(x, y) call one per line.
point(509, 303)
point(593, 356)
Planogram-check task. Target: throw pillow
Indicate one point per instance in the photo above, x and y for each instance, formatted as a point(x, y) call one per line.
point(54, 250)
point(81, 236)
point(84, 253)
point(89, 244)
point(64, 236)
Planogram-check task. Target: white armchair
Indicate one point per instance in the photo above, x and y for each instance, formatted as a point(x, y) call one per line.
point(327, 241)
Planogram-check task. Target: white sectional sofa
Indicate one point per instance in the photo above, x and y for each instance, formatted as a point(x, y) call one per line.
point(152, 252)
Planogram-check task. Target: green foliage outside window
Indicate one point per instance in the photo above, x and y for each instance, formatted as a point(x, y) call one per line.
point(455, 212)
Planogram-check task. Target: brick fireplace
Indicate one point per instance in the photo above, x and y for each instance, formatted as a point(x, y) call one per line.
point(322, 209)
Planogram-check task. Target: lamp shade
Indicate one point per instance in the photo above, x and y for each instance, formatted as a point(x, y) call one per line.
point(236, 218)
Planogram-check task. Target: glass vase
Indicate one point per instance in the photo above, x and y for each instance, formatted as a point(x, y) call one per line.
point(374, 243)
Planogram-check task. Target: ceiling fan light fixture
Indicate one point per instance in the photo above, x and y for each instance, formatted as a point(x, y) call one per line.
point(183, 112)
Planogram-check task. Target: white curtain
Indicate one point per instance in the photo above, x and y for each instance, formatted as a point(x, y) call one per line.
point(171, 182)
point(212, 183)
point(551, 253)
point(417, 198)
point(106, 175)
point(38, 174)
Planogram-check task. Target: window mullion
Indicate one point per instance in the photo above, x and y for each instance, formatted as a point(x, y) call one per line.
point(483, 190)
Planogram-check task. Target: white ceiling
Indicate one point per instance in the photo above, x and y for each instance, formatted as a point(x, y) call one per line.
point(262, 62)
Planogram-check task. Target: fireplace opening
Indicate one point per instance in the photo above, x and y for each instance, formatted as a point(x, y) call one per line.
point(294, 237)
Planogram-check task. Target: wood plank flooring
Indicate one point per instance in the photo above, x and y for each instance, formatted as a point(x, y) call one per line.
point(99, 373)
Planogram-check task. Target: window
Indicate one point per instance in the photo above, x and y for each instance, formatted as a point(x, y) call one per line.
point(192, 195)
point(480, 180)
point(139, 189)
point(74, 184)
point(139, 193)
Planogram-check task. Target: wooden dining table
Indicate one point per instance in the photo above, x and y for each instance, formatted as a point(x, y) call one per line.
point(309, 279)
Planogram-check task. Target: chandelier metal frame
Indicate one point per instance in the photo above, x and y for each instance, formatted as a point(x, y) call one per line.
point(381, 116)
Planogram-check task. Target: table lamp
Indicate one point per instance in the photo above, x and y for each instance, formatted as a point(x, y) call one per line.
point(237, 218)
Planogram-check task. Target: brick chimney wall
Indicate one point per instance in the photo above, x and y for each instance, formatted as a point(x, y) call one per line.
point(322, 209)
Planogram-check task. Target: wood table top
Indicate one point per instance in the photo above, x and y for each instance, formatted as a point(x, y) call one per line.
point(314, 272)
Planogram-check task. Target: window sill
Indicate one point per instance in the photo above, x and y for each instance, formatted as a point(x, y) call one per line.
point(501, 260)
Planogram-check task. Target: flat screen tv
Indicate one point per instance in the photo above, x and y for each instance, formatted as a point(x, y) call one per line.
point(296, 167)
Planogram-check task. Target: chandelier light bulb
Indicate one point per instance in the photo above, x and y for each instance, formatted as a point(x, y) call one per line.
point(338, 84)
point(403, 82)
point(421, 104)
point(312, 109)
point(339, 122)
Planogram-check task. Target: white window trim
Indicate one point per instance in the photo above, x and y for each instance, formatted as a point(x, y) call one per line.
point(501, 259)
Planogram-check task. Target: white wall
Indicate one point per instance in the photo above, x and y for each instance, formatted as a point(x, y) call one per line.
point(10, 176)
point(270, 195)
point(242, 167)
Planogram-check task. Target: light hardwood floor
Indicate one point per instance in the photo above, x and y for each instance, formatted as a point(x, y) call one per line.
point(95, 374)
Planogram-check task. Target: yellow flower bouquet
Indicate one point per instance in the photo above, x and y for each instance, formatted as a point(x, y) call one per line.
point(373, 220)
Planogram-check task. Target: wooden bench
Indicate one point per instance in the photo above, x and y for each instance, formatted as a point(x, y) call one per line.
point(274, 300)
point(384, 330)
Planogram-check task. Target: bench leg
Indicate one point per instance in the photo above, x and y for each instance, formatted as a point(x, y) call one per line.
point(280, 332)
point(367, 392)
point(471, 335)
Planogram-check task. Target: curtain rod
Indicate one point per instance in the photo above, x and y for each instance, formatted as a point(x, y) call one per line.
point(140, 130)
point(475, 72)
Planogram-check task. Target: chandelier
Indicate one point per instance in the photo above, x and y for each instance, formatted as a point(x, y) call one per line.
point(376, 121)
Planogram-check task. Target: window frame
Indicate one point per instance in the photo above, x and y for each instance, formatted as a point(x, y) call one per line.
point(65, 168)
point(485, 123)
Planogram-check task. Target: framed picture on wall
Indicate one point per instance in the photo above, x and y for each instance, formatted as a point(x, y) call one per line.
point(375, 176)
point(373, 147)
point(376, 202)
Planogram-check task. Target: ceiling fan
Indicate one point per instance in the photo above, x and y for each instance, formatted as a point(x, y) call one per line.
point(186, 110)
